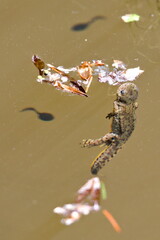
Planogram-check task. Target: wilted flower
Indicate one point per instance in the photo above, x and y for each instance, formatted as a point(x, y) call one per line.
point(132, 73)
point(87, 201)
point(73, 212)
point(119, 74)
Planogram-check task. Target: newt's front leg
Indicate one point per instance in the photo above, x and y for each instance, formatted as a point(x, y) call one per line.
point(106, 139)
point(110, 115)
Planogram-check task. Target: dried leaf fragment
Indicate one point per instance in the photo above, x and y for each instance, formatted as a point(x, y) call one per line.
point(119, 74)
point(85, 70)
point(90, 190)
point(118, 64)
point(132, 73)
point(96, 63)
point(87, 201)
point(60, 77)
point(130, 18)
point(103, 191)
point(77, 87)
point(38, 63)
point(111, 219)
point(73, 212)
point(60, 86)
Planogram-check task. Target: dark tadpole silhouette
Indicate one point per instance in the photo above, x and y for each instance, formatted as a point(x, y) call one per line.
point(83, 26)
point(41, 115)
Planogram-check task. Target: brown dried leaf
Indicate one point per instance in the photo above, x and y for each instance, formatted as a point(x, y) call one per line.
point(60, 72)
point(56, 69)
point(78, 87)
point(60, 86)
point(97, 63)
point(85, 70)
point(38, 63)
point(90, 191)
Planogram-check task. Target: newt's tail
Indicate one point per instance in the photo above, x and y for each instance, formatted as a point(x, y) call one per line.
point(106, 155)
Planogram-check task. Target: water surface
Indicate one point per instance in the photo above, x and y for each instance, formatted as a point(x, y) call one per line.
point(42, 163)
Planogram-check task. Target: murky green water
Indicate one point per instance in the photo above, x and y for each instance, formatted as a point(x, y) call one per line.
point(42, 164)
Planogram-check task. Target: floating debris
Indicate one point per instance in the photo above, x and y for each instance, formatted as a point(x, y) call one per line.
point(38, 63)
point(130, 18)
point(103, 191)
point(73, 212)
point(112, 220)
point(61, 78)
point(87, 200)
point(57, 77)
point(119, 74)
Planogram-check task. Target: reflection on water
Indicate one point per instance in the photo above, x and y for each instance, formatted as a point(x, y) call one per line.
point(84, 26)
point(41, 115)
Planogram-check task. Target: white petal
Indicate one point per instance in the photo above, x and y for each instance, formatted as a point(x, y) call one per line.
point(64, 79)
point(132, 73)
point(59, 210)
point(68, 221)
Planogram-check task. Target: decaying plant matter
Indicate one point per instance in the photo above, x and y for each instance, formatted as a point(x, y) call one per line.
point(87, 200)
point(79, 84)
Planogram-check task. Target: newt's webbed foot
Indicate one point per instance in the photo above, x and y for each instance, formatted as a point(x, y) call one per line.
point(88, 143)
point(105, 140)
point(110, 115)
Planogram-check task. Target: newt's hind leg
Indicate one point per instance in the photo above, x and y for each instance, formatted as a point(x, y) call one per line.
point(106, 139)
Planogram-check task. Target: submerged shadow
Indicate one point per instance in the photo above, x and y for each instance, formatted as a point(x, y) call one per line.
point(83, 26)
point(41, 115)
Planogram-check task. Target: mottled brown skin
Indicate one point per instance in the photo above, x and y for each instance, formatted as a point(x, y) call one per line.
point(123, 123)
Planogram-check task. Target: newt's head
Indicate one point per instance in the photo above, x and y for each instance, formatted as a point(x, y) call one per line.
point(127, 93)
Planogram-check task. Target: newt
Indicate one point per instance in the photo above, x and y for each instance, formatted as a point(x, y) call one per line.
point(123, 124)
